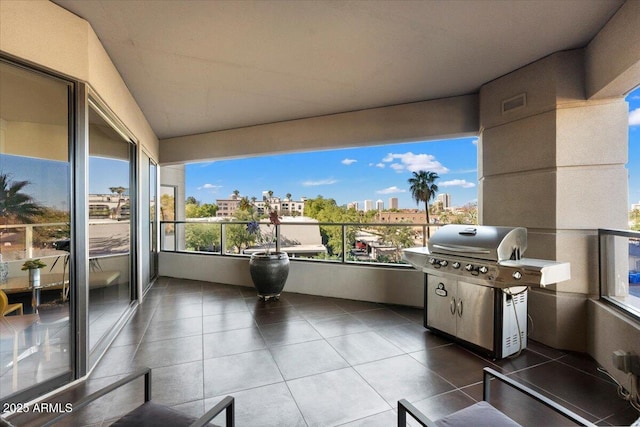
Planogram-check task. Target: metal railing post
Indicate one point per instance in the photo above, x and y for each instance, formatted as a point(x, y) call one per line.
point(344, 243)
point(223, 239)
point(28, 241)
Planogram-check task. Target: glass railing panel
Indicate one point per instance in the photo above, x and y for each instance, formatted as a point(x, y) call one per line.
point(309, 240)
point(620, 269)
point(202, 237)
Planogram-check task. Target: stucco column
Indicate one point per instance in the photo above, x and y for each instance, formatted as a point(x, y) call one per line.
point(554, 162)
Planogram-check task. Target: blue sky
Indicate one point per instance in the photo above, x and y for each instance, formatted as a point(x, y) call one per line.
point(346, 175)
point(373, 173)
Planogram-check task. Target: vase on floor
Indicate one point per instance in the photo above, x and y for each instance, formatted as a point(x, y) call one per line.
point(269, 273)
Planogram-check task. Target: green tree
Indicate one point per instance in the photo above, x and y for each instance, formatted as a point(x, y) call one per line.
point(245, 204)
point(634, 217)
point(399, 237)
point(202, 236)
point(191, 201)
point(15, 205)
point(191, 210)
point(238, 238)
point(207, 210)
point(423, 188)
point(236, 194)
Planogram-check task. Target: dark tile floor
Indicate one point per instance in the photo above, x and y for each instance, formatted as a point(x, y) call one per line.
point(314, 361)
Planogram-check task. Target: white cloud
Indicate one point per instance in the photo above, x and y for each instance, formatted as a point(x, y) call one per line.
point(213, 188)
point(415, 162)
point(348, 161)
point(379, 165)
point(457, 183)
point(634, 117)
point(475, 141)
point(328, 181)
point(391, 190)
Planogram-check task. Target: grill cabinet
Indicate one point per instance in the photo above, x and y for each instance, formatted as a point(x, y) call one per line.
point(476, 285)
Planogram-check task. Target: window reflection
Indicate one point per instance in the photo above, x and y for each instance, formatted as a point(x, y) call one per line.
point(109, 227)
point(34, 225)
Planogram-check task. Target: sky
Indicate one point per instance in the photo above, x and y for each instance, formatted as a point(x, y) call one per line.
point(370, 173)
point(346, 175)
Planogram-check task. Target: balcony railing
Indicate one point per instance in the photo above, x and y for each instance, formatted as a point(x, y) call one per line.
point(370, 243)
point(619, 253)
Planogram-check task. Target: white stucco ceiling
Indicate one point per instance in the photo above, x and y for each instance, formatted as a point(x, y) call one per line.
point(200, 66)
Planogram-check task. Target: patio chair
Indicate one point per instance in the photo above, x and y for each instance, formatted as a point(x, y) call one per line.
point(482, 413)
point(153, 414)
point(6, 308)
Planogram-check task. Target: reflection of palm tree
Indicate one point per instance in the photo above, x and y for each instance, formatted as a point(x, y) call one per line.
point(15, 205)
point(423, 189)
point(119, 191)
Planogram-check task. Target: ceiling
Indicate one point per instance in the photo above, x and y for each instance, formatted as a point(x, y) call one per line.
point(200, 66)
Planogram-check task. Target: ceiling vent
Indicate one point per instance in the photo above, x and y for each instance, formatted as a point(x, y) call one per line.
point(515, 103)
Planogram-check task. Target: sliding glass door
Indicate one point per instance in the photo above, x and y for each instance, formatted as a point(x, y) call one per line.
point(36, 139)
point(111, 198)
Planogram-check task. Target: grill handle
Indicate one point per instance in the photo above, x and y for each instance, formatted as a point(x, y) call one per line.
point(466, 249)
point(452, 306)
point(460, 308)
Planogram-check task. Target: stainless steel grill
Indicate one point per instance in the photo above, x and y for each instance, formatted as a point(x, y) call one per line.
point(476, 285)
point(491, 256)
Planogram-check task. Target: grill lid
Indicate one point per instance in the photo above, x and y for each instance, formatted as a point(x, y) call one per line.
point(479, 241)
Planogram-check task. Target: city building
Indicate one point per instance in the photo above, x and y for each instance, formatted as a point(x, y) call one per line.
point(159, 84)
point(227, 207)
point(445, 199)
point(353, 205)
point(368, 205)
point(414, 216)
point(379, 205)
point(393, 203)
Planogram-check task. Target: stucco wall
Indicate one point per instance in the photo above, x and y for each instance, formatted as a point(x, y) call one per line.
point(419, 121)
point(393, 286)
point(43, 33)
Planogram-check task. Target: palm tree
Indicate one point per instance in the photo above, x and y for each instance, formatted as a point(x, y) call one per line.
point(423, 189)
point(236, 193)
point(288, 196)
point(14, 204)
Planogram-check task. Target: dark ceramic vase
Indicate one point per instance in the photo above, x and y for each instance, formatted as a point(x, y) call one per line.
point(269, 273)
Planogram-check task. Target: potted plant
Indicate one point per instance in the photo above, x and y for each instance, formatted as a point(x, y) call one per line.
point(269, 269)
point(34, 266)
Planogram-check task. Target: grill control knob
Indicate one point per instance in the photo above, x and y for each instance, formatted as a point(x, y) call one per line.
point(455, 265)
point(517, 275)
point(432, 260)
point(444, 262)
point(468, 267)
point(484, 269)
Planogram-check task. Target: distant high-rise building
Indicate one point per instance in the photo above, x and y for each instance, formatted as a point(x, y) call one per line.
point(379, 205)
point(445, 199)
point(353, 205)
point(393, 203)
point(368, 205)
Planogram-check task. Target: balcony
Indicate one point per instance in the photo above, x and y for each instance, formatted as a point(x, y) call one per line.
point(309, 360)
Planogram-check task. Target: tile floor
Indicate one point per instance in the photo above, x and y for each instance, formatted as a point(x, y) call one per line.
point(314, 361)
